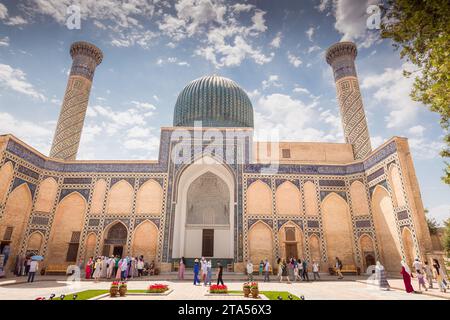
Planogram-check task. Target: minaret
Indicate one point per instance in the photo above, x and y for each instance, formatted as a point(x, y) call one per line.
point(341, 57)
point(86, 57)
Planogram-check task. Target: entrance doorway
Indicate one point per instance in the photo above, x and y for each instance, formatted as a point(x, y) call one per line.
point(117, 251)
point(370, 260)
point(291, 250)
point(208, 243)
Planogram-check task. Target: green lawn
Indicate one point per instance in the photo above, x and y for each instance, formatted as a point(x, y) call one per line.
point(273, 295)
point(88, 294)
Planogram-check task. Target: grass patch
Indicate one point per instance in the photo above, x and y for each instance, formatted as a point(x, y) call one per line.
point(84, 295)
point(88, 294)
point(272, 295)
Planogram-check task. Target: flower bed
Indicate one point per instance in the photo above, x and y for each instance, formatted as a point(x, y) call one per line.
point(218, 289)
point(157, 288)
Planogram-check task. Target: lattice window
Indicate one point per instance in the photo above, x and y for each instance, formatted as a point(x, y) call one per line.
point(8, 233)
point(286, 153)
point(117, 232)
point(72, 252)
point(289, 233)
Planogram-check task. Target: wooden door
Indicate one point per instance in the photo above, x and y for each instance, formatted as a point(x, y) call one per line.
point(208, 243)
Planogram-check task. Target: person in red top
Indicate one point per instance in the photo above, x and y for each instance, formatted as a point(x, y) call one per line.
point(406, 273)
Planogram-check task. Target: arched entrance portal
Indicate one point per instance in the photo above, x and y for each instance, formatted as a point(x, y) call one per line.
point(115, 241)
point(204, 212)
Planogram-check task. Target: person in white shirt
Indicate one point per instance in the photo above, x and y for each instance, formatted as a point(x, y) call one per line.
point(32, 272)
point(315, 268)
point(140, 266)
point(250, 270)
point(266, 270)
point(417, 265)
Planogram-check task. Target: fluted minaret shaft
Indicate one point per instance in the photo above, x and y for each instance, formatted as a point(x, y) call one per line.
point(86, 57)
point(341, 57)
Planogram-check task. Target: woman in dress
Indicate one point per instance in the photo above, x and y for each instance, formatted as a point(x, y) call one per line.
point(381, 276)
point(104, 267)
point(439, 276)
point(406, 273)
point(98, 269)
point(181, 269)
point(119, 269)
point(88, 269)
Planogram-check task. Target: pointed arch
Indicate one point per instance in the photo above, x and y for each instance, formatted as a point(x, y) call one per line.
point(35, 241)
point(120, 199)
point(397, 189)
point(291, 241)
point(260, 242)
point(66, 229)
point(145, 241)
point(288, 199)
point(6, 175)
point(115, 235)
point(314, 248)
point(359, 199)
point(47, 195)
point(98, 196)
point(386, 228)
point(408, 246)
point(337, 229)
point(259, 198)
point(16, 216)
point(91, 241)
point(311, 204)
point(149, 198)
point(367, 247)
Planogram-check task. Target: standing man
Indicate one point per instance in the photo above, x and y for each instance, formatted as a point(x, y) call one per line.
point(266, 271)
point(219, 273)
point(196, 271)
point(339, 268)
point(32, 272)
point(417, 266)
point(250, 270)
point(140, 266)
point(305, 270)
point(315, 268)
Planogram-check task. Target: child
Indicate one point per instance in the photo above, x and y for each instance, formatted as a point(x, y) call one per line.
point(421, 280)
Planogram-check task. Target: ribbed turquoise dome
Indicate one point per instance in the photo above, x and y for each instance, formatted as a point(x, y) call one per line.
point(214, 100)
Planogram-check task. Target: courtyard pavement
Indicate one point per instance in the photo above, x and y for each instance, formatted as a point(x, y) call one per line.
point(355, 288)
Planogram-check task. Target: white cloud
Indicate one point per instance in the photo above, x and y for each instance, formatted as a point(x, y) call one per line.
point(376, 141)
point(351, 20)
point(15, 79)
point(39, 135)
point(440, 212)
point(271, 82)
point(3, 11)
point(425, 149)
point(259, 21)
point(173, 60)
point(4, 42)
point(310, 33)
point(392, 89)
point(314, 48)
point(323, 5)
point(16, 21)
point(417, 130)
point(294, 60)
point(293, 120)
point(301, 90)
point(241, 7)
point(276, 42)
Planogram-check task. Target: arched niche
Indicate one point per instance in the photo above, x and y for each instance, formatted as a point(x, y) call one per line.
point(149, 198)
point(311, 204)
point(47, 195)
point(259, 198)
point(386, 228)
point(6, 175)
point(291, 241)
point(337, 229)
point(145, 241)
point(288, 199)
point(98, 196)
point(359, 199)
point(120, 198)
point(260, 243)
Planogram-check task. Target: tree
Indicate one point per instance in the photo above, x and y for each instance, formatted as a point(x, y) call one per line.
point(432, 224)
point(421, 30)
point(446, 240)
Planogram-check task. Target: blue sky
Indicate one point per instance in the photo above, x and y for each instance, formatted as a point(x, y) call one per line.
point(152, 49)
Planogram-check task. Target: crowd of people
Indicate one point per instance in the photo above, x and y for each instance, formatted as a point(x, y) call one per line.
point(424, 273)
point(115, 267)
point(202, 271)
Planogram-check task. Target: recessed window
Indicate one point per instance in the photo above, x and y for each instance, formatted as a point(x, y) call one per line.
point(286, 153)
point(8, 233)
